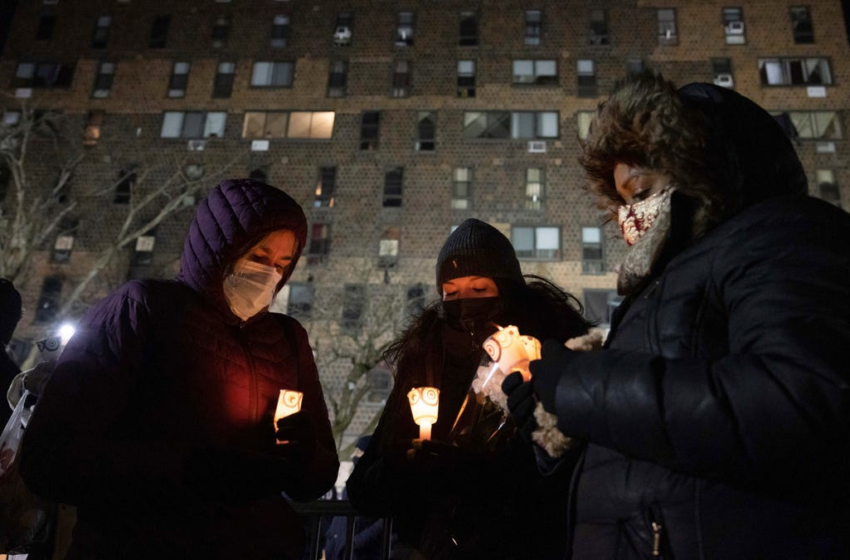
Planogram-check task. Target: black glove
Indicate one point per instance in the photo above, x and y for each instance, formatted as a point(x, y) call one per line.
point(430, 457)
point(521, 403)
point(295, 437)
point(546, 372)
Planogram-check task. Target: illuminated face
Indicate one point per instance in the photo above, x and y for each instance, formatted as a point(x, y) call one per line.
point(467, 287)
point(635, 183)
point(276, 250)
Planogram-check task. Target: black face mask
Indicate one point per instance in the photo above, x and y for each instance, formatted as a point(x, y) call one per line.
point(476, 316)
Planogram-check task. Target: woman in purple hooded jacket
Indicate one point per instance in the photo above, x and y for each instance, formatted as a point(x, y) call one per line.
point(158, 421)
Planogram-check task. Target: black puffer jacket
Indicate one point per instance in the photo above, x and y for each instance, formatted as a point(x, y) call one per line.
point(719, 415)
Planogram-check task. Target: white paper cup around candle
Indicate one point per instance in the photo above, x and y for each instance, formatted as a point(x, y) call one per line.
point(424, 405)
point(512, 351)
point(288, 403)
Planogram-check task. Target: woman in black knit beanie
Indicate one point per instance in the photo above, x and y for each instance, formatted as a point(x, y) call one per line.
point(449, 501)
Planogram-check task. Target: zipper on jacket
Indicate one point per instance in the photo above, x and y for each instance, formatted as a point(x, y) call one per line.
point(656, 521)
point(656, 538)
point(651, 311)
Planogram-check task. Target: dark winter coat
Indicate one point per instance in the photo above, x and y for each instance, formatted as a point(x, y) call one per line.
point(157, 422)
point(720, 410)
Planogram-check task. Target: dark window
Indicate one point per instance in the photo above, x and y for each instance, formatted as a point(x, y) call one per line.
point(598, 27)
point(733, 26)
point(104, 79)
point(43, 75)
point(535, 72)
point(100, 36)
point(592, 259)
point(272, 74)
point(461, 188)
point(300, 304)
point(401, 78)
point(533, 27)
point(223, 85)
point(404, 30)
point(426, 131)
point(143, 249)
point(466, 78)
point(586, 84)
point(46, 25)
point(667, 29)
point(468, 29)
point(159, 32)
point(5, 179)
point(388, 247)
point(344, 26)
point(634, 66)
point(795, 71)
point(220, 32)
point(280, 31)
point(722, 71)
point(124, 189)
point(380, 381)
point(370, 128)
point(63, 245)
point(393, 180)
point(353, 306)
point(827, 187)
point(416, 298)
point(535, 188)
point(320, 239)
point(599, 305)
point(325, 187)
point(49, 301)
point(490, 124)
point(801, 25)
point(193, 124)
point(542, 243)
point(337, 78)
point(179, 79)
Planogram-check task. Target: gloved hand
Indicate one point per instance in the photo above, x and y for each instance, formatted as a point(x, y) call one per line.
point(521, 403)
point(295, 437)
point(430, 457)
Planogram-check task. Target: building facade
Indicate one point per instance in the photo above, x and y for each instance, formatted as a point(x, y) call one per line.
point(390, 122)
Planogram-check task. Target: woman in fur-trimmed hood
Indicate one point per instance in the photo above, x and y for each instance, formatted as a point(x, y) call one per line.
point(718, 415)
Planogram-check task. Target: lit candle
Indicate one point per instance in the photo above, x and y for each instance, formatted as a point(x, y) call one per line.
point(288, 403)
point(424, 405)
point(512, 351)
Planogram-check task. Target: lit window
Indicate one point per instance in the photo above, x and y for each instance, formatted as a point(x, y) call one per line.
point(297, 125)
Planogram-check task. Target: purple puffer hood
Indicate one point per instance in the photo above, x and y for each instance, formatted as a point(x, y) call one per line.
point(235, 216)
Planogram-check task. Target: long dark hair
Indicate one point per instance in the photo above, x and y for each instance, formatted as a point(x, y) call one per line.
point(538, 307)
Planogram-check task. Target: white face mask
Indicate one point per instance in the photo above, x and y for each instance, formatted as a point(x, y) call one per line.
point(250, 288)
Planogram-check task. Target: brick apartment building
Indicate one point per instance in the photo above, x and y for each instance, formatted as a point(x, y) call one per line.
point(390, 122)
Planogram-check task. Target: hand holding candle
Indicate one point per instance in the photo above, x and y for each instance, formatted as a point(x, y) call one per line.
point(512, 351)
point(424, 405)
point(288, 403)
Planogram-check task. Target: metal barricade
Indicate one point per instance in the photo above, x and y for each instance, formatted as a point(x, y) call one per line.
point(315, 511)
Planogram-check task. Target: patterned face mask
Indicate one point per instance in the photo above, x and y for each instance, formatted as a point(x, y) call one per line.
point(636, 219)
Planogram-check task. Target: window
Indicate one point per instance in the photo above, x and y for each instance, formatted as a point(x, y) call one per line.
point(179, 79)
point(46, 25)
point(342, 31)
point(461, 188)
point(598, 27)
point(388, 246)
point(159, 32)
point(827, 187)
point(599, 305)
point(192, 124)
point(634, 66)
point(272, 74)
point(415, 299)
point(43, 75)
point(325, 187)
point(542, 243)
point(91, 133)
point(64, 242)
point(100, 37)
point(280, 31)
point(380, 381)
point(220, 32)
point(733, 26)
point(667, 31)
point(820, 125)
point(533, 27)
point(300, 302)
point(320, 240)
point(801, 25)
point(795, 71)
point(401, 78)
point(104, 79)
point(586, 82)
point(466, 78)
point(49, 300)
point(592, 261)
point(143, 250)
point(305, 124)
point(337, 78)
point(124, 189)
point(259, 124)
point(223, 84)
point(426, 131)
point(583, 120)
point(11, 118)
point(534, 126)
point(393, 180)
point(370, 128)
point(353, 306)
point(721, 68)
point(537, 72)
point(404, 30)
point(468, 29)
point(535, 186)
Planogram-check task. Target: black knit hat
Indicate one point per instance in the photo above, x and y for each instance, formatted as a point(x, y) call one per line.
point(476, 248)
point(10, 310)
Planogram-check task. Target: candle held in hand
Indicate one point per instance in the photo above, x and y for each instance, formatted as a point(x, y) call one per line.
point(424, 405)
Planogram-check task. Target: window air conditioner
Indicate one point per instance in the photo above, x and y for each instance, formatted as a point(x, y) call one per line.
point(724, 80)
point(197, 145)
point(537, 147)
point(735, 28)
